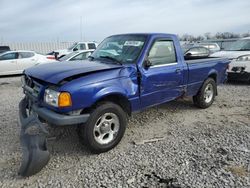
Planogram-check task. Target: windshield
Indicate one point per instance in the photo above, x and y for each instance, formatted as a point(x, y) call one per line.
point(122, 48)
point(240, 45)
point(64, 58)
point(72, 46)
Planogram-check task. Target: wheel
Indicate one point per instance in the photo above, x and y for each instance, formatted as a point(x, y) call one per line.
point(104, 128)
point(205, 96)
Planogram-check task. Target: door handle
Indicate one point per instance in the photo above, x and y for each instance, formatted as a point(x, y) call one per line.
point(178, 71)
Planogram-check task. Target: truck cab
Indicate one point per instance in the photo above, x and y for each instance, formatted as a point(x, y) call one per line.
point(78, 46)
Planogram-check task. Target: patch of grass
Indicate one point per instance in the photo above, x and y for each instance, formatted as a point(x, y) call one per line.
point(238, 171)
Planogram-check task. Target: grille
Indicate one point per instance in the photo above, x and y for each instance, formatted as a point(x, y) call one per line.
point(29, 82)
point(238, 69)
point(36, 88)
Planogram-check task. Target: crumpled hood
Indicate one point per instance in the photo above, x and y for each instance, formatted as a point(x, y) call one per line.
point(58, 71)
point(229, 54)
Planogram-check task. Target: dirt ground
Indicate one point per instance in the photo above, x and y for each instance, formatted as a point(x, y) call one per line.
point(199, 148)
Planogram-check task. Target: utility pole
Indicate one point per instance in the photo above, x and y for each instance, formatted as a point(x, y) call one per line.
point(81, 28)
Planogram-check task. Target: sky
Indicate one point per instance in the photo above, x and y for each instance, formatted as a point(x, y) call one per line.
point(93, 20)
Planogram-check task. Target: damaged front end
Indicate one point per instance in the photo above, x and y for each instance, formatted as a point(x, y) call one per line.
point(33, 132)
point(33, 141)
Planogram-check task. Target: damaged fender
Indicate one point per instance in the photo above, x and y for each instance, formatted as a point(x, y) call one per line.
point(33, 142)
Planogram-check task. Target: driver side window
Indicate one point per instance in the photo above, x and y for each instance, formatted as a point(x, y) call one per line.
point(80, 47)
point(9, 56)
point(162, 52)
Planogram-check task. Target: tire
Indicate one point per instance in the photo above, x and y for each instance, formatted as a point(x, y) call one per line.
point(104, 128)
point(204, 98)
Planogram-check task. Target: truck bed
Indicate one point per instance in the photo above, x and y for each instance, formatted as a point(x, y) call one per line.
point(203, 60)
point(200, 69)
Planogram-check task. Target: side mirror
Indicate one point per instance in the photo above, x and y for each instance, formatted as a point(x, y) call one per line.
point(75, 49)
point(188, 54)
point(147, 63)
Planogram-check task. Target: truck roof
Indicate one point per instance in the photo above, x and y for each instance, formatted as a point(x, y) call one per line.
point(86, 42)
point(147, 34)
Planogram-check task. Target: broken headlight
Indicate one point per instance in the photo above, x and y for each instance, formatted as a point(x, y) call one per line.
point(51, 97)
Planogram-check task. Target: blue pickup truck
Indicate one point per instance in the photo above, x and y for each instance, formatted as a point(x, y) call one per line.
point(125, 74)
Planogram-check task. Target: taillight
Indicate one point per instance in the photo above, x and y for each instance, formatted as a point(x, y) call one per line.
point(51, 57)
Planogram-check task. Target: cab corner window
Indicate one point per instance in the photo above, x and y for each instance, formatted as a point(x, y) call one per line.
point(162, 52)
point(91, 46)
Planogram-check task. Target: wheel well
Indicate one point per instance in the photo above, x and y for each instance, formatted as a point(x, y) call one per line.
point(118, 99)
point(214, 76)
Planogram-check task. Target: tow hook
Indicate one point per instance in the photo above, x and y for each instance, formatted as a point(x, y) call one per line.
point(33, 142)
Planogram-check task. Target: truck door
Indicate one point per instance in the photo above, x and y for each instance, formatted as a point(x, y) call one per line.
point(162, 80)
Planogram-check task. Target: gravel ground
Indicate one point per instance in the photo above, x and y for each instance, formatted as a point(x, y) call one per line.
point(201, 148)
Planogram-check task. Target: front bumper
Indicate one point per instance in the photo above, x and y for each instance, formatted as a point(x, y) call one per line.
point(54, 118)
point(33, 135)
point(238, 76)
point(33, 142)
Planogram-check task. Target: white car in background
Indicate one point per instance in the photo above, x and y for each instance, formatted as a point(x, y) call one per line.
point(213, 47)
point(235, 50)
point(239, 54)
point(14, 62)
point(239, 69)
point(78, 46)
point(78, 55)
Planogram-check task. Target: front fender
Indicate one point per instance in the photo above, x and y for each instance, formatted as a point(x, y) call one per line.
point(213, 72)
point(113, 90)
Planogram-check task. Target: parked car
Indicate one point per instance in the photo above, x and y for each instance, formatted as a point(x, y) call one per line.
point(196, 52)
point(213, 47)
point(140, 71)
point(223, 43)
point(14, 62)
point(239, 69)
point(75, 47)
point(235, 50)
point(187, 46)
point(78, 55)
point(238, 54)
point(4, 49)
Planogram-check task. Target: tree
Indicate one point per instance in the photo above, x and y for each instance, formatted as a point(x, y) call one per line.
point(208, 35)
point(218, 35)
point(200, 38)
point(187, 37)
point(245, 34)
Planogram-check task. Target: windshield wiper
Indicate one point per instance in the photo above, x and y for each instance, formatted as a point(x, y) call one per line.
point(243, 50)
point(112, 58)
